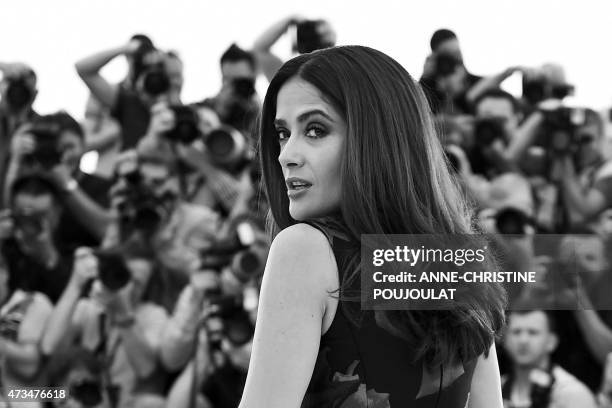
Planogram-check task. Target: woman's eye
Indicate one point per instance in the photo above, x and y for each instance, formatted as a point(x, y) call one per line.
point(315, 132)
point(282, 134)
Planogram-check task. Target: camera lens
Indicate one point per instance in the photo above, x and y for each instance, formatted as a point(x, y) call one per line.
point(156, 81)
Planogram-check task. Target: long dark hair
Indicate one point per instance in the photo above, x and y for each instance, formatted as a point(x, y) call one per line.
point(394, 180)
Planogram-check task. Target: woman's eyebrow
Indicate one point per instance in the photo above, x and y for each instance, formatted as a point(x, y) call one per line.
point(304, 116)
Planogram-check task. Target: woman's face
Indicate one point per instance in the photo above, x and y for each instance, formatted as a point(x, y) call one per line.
point(311, 134)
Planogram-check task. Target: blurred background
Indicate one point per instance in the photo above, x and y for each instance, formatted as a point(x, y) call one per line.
point(493, 34)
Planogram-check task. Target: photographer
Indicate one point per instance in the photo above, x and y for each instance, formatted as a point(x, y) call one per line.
point(23, 315)
point(229, 271)
point(495, 139)
point(29, 236)
point(445, 80)
point(237, 102)
point(216, 375)
point(535, 381)
point(322, 36)
point(53, 145)
point(148, 206)
point(586, 178)
point(116, 321)
point(156, 76)
point(17, 94)
point(215, 162)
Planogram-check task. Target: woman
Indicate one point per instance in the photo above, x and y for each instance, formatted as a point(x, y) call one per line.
point(348, 148)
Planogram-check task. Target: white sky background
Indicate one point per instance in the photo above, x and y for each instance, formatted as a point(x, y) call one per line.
point(52, 35)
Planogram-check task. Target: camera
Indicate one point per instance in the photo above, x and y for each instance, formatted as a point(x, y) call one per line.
point(229, 321)
point(309, 36)
point(560, 135)
point(538, 87)
point(46, 151)
point(511, 221)
point(87, 392)
point(112, 270)
point(561, 127)
point(141, 208)
point(487, 130)
point(155, 80)
point(186, 128)
point(445, 64)
point(240, 249)
point(227, 147)
point(19, 93)
point(244, 87)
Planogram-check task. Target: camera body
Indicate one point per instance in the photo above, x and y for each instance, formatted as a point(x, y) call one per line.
point(243, 87)
point(142, 209)
point(155, 79)
point(186, 129)
point(445, 64)
point(512, 221)
point(559, 137)
point(538, 87)
point(46, 152)
point(487, 130)
point(229, 321)
point(561, 126)
point(240, 249)
point(309, 36)
point(19, 93)
point(112, 269)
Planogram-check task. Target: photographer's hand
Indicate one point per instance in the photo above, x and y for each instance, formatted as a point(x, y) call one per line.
point(85, 268)
point(266, 60)
point(59, 329)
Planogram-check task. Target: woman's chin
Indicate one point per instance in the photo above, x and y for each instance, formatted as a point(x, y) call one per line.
point(297, 214)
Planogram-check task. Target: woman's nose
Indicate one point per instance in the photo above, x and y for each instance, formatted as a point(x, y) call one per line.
point(291, 154)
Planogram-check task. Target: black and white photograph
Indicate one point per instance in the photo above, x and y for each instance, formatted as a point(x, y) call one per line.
point(323, 204)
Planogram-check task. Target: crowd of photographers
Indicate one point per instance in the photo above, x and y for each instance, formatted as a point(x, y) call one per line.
point(539, 172)
point(137, 285)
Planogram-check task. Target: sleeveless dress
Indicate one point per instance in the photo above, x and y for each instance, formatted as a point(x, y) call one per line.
point(367, 367)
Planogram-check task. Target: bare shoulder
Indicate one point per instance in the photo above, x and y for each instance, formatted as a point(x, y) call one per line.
point(302, 252)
